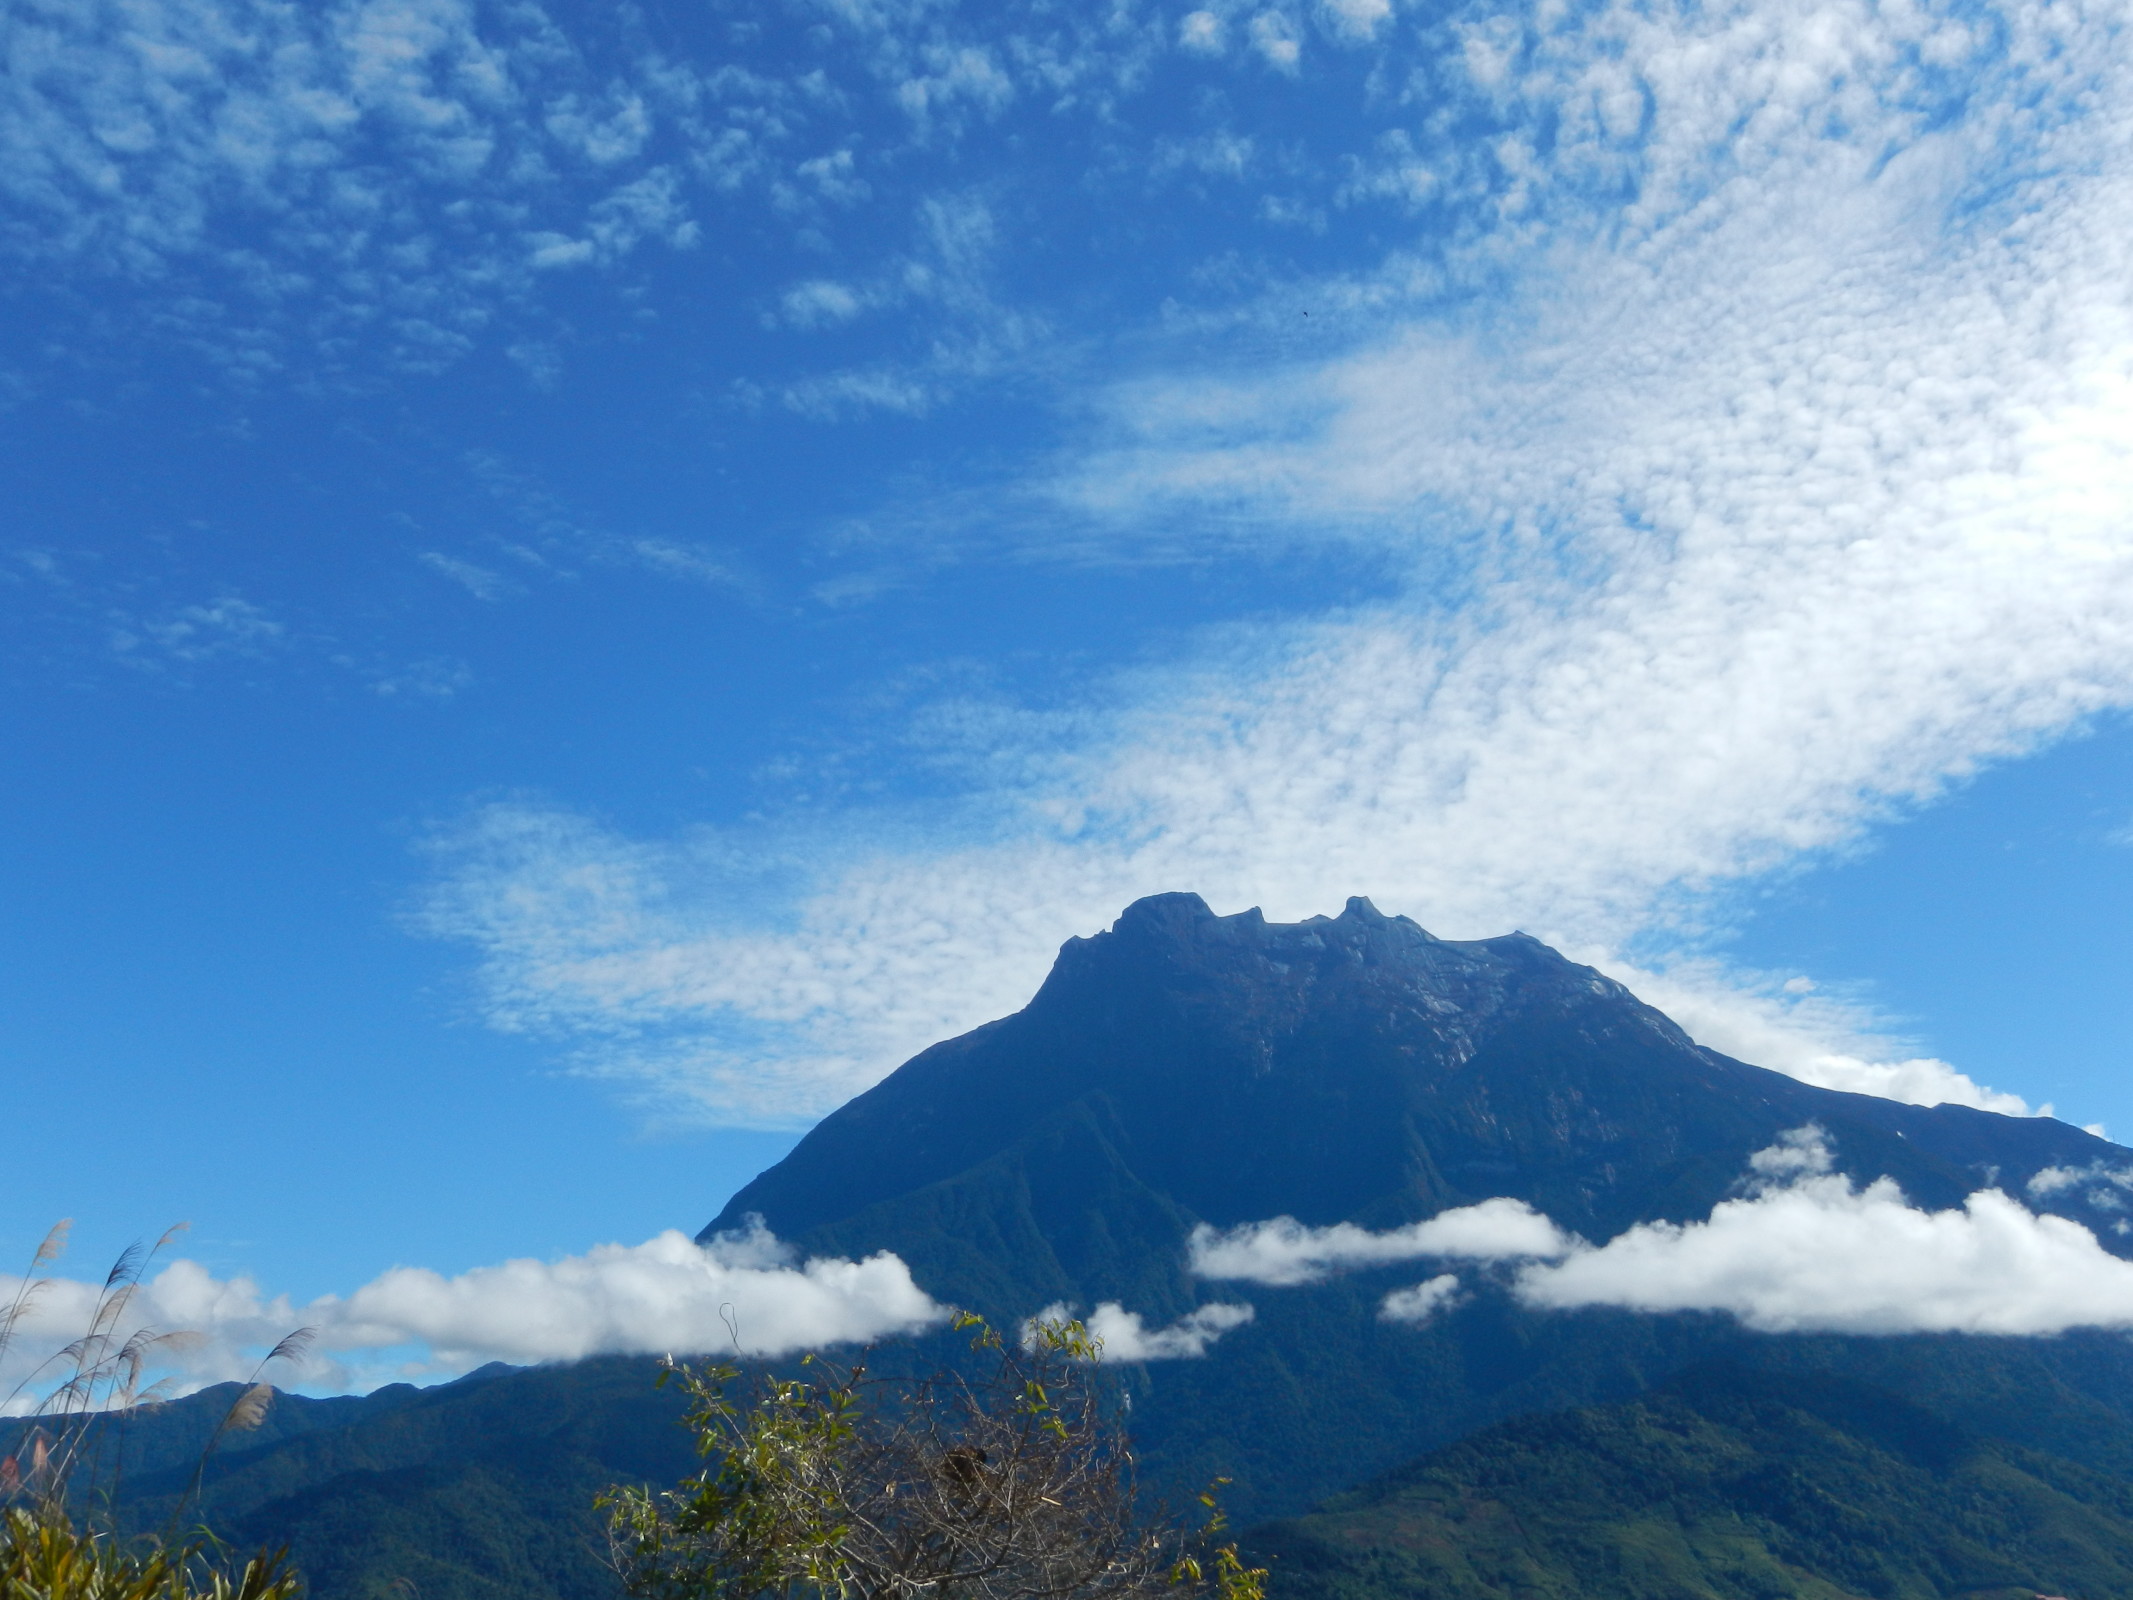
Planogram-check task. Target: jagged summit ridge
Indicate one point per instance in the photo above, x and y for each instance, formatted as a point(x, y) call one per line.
point(1181, 927)
point(1244, 972)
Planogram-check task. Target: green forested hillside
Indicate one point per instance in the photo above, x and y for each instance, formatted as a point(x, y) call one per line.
point(1719, 1483)
point(474, 1490)
point(1724, 1483)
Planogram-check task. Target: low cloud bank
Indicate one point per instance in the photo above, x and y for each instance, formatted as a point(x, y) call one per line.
point(1422, 1302)
point(668, 1294)
point(1283, 1252)
point(1802, 1249)
point(1810, 1250)
point(1127, 1338)
point(2101, 1186)
point(662, 1295)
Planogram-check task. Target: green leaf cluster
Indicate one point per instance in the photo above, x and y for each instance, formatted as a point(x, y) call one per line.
point(47, 1557)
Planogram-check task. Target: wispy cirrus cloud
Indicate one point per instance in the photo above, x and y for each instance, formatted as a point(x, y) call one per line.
point(227, 626)
point(393, 174)
point(386, 183)
point(392, 179)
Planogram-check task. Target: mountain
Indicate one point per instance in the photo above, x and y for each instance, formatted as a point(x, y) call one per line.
point(1183, 1068)
point(1727, 1483)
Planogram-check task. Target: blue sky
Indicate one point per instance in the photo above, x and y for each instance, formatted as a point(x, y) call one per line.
point(578, 582)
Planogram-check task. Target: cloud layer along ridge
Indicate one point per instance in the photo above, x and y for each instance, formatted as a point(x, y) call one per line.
point(666, 1295)
point(1803, 1249)
point(1283, 1252)
point(1127, 1337)
point(1814, 1251)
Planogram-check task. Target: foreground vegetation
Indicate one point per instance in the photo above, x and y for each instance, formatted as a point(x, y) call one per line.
point(44, 1555)
point(1008, 1477)
point(1011, 1482)
point(1962, 1470)
point(58, 1538)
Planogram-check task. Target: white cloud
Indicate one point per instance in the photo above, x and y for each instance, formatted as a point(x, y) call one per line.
point(1809, 1250)
point(1274, 37)
point(666, 1295)
point(820, 301)
point(394, 167)
point(1284, 1252)
point(230, 626)
point(1357, 20)
point(1201, 31)
point(1746, 516)
point(1126, 1337)
point(430, 678)
point(2102, 1187)
point(834, 177)
point(483, 583)
point(1789, 1028)
point(954, 74)
point(1802, 1249)
point(1419, 1304)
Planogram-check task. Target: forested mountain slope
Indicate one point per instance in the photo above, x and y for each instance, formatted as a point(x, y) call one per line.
point(1725, 1482)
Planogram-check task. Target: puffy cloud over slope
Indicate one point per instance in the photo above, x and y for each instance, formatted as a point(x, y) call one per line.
point(1803, 1248)
point(1814, 1251)
point(666, 1295)
point(1283, 1252)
